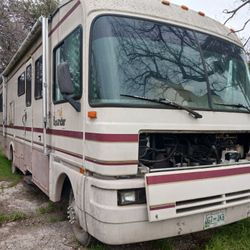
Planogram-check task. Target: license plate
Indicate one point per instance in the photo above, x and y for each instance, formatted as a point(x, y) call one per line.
point(214, 219)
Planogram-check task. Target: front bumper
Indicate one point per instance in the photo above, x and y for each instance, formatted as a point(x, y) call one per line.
point(113, 224)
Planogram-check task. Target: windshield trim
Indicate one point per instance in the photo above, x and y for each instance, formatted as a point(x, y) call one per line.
point(162, 21)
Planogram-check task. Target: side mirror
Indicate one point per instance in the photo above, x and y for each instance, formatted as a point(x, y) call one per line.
point(64, 79)
point(66, 85)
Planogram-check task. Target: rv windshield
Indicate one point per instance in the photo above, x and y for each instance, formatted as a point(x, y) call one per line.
point(160, 61)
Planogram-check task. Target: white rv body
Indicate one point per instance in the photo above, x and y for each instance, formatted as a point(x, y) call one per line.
point(51, 141)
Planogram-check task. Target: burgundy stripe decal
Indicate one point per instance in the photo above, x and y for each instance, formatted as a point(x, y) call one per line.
point(53, 148)
point(65, 17)
point(110, 163)
point(20, 128)
point(165, 206)
point(197, 175)
point(111, 137)
point(38, 130)
point(66, 133)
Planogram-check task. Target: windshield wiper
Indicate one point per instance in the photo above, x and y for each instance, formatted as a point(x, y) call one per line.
point(194, 114)
point(234, 106)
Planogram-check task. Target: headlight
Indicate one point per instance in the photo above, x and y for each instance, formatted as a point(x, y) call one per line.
point(131, 196)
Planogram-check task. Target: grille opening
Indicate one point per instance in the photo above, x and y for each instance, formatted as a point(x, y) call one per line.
point(238, 193)
point(238, 199)
point(192, 201)
point(189, 209)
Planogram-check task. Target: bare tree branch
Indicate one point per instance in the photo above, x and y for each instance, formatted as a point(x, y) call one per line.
point(234, 11)
point(16, 19)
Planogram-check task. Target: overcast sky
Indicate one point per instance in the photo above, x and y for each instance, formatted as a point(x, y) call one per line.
point(214, 9)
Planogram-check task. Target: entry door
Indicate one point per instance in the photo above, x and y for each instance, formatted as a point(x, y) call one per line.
point(27, 116)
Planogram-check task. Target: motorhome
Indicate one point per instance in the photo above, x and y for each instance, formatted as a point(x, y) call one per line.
point(139, 111)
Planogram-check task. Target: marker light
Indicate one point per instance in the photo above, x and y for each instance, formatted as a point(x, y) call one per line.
point(184, 7)
point(92, 114)
point(201, 13)
point(166, 2)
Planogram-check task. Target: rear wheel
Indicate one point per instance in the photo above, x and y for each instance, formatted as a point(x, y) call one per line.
point(81, 235)
point(13, 167)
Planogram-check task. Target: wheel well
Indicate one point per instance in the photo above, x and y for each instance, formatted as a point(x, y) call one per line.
point(66, 189)
point(63, 188)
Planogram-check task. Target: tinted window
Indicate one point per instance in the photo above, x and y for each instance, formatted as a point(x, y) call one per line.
point(69, 51)
point(148, 59)
point(38, 78)
point(227, 72)
point(21, 84)
point(142, 58)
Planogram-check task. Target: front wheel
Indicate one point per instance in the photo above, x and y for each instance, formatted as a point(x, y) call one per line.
point(81, 235)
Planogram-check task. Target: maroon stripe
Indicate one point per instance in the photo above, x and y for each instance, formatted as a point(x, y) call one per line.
point(65, 17)
point(20, 128)
point(196, 175)
point(111, 137)
point(110, 163)
point(58, 132)
point(67, 133)
point(38, 130)
point(158, 207)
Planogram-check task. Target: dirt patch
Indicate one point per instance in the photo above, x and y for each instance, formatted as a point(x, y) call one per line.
point(44, 225)
point(22, 197)
point(47, 230)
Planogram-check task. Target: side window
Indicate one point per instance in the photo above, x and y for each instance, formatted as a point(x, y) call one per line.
point(28, 85)
point(39, 78)
point(70, 51)
point(21, 84)
point(1, 103)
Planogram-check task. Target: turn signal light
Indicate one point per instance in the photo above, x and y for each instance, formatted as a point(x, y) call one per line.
point(92, 114)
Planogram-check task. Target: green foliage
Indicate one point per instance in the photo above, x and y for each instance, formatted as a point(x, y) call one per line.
point(49, 208)
point(38, 8)
point(4, 218)
point(231, 237)
point(5, 171)
point(56, 218)
point(16, 19)
point(98, 246)
point(164, 244)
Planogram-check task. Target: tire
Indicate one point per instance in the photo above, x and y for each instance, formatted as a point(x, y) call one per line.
point(80, 234)
point(13, 167)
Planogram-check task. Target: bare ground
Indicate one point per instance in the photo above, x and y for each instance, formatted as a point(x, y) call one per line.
point(46, 230)
point(49, 229)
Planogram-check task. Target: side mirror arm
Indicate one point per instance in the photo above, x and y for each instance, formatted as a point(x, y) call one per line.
point(75, 104)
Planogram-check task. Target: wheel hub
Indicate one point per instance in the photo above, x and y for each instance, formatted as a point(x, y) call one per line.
point(71, 215)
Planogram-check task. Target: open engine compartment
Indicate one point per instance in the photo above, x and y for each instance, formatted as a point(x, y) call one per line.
point(178, 150)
